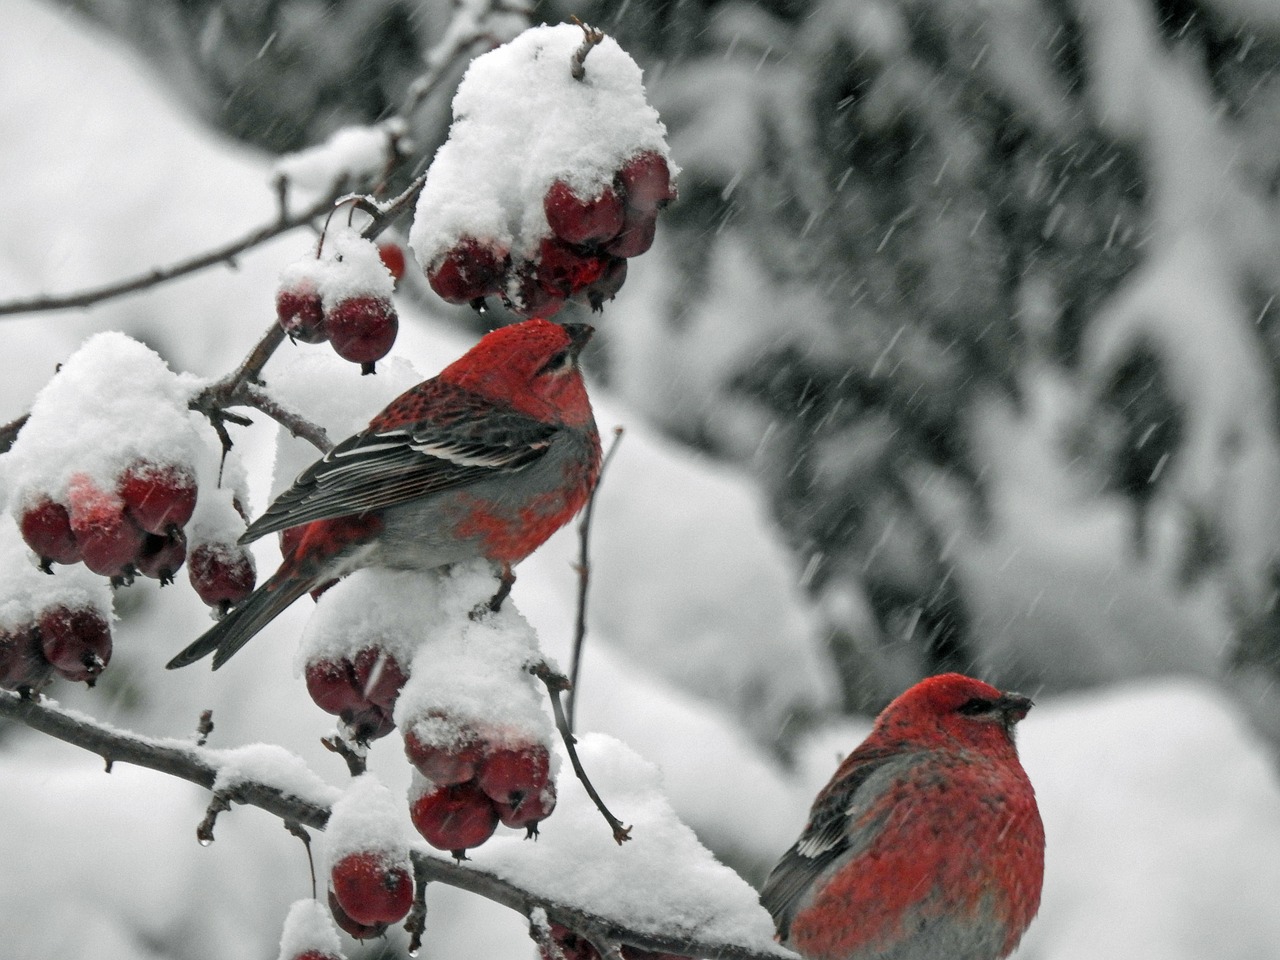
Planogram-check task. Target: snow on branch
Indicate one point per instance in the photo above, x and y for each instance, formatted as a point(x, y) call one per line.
point(245, 777)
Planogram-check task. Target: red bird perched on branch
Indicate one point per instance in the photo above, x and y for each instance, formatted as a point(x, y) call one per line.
point(927, 843)
point(487, 459)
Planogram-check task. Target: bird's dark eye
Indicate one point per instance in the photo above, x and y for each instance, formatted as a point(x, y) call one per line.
point(974, 706)
point(558, 361)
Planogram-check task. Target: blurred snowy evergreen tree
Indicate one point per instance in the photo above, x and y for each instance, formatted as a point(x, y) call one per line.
point(939, 206)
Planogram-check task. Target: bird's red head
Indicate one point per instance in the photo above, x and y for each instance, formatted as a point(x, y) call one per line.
point(954, 707)
point(532, 366)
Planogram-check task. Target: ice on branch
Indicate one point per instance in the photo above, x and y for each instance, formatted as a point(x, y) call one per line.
point(664, 882)
point(357, 155)
point(309, 931)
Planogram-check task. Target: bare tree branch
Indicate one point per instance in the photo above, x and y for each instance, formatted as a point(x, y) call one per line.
point(158, 275)
point(200, 765)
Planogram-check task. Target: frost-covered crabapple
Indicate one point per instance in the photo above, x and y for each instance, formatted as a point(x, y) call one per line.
point(315, 955)
point(353, 928)
point(532, 299)
point(300, 313)
point(371, 888)
point(468, 271)
point(636, 235)
point(606, 286)
point(158, 498)
point(22, 662)
point(454, 818)
point(361, 692)
point(444, 765)
point(362, 329)
point(163, 556)
point(77, 643)
point(573, 947)
point(108, 539)
point(645, 181)
point(563, 270)
point(222, 574)
point(530, 809)
point(509, 774)
point(582, 220)
point(46, 528)
point(392, 256)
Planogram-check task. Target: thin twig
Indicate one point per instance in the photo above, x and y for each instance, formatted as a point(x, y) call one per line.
point(584, 580)
point(556, 684)
point(9, 432)
point(415, 924)
point(158, 275)
point(590, 37)
point(299, 831)
point(356, 761)
point(204, 727)
point(199, 765)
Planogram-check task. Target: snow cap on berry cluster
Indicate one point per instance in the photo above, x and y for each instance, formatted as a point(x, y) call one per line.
point(348, 265)
point(663, 882)
point(470, 677)
point(114, 402)
point(473, 671)
point(309, 928)
point(369, 818)
point(521, 122)
point(26, 592)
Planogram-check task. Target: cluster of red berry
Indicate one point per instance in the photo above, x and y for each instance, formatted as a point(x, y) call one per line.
point(570, 946)
point(369, 890)
point(471, 785)
point(361, 690)
point(359, 320)
point(71, 642)
point(585, 255)
point(136, 526)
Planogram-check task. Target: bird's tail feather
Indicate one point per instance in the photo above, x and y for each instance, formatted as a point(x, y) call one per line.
point(234, 630)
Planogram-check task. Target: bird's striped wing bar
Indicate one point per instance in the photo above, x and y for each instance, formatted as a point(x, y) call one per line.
point(378, 469)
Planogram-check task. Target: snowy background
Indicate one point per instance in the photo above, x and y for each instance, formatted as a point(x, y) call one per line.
point(724, 632)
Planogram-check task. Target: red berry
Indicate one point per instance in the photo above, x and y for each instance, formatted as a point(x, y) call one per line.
point(529, 809)
point(454, 818)
point(77, 643)
point(572, 946)
point(108, 539)
point(378, 677)
point(645, 181)
point(469, 270)
point(370, 889)
point(332, 685)
point(163, 556)
point(46, 527)
point(392, 256)
point(532, 299)
point(315, 955)
point(157, 497)
point(300, 313)
point(362, 329)
point(564, 270)
point(22, 661)
point(354, 929)
point(637, 234)
point(443, 766)
point(507, 775)
point(368, 723)
point(222, 574)
point(577, 219)
point(608, 284)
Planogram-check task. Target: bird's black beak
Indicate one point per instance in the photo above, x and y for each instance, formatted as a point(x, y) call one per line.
point(579, 336)
point(1013, 707)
